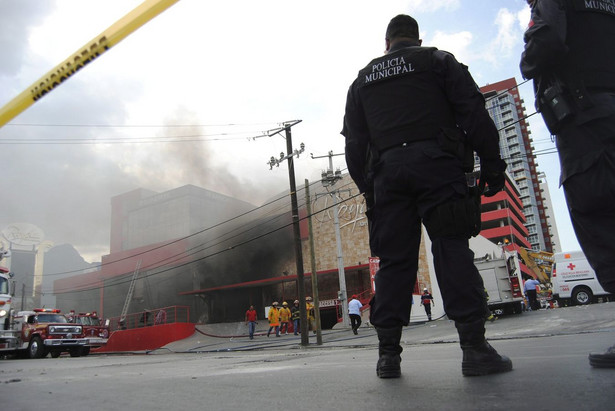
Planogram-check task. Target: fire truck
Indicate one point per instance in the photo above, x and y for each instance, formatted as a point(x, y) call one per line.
point(5, 301)
point(96, 332)
point(42, 331)
point(7, 334)
point(502, 279)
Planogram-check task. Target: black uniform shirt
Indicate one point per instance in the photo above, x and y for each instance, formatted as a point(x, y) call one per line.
point(460, 92)
point(549, 47)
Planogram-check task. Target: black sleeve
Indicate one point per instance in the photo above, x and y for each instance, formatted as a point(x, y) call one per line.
point(545, 39)
point(356, 132)
point(468, 106)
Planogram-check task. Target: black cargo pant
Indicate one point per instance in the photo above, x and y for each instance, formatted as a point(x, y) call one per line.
point(590, 196)
point(408, 183)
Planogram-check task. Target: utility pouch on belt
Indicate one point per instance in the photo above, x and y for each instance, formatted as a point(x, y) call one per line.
point(460, 217)
point(555, 106)
point(454, 141)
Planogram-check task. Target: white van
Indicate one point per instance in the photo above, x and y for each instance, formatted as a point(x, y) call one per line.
point(574, 280)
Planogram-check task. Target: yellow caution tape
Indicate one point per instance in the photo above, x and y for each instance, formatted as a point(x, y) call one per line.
point(85, 55)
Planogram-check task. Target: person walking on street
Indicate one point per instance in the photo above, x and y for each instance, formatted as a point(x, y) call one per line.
point(412, 121)
point(569, 55)
point(295, 316)
point(284, 318)
point(426, 301)
point(354, 312)
point(531, 293)
point(251, 321)
point(274, 319)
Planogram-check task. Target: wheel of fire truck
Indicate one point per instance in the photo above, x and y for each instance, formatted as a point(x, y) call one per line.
point(55, 353)
point(36, 349)
point(85, 351)
point(75, 352)
point(582, 296)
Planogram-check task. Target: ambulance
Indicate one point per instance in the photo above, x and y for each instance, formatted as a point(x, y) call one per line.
point(573, 280)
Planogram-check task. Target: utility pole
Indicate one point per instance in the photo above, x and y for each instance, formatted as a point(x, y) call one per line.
point(308, 204)
point(329, 178)
point(295, 216)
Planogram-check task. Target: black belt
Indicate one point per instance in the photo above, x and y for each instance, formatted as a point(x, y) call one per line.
point(403, 136)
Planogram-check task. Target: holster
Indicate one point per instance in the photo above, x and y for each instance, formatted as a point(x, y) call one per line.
point(460, 217)
point(454, 141)
point(556, 103)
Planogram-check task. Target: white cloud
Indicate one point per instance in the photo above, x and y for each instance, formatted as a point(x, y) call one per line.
point(523, 18)
point(456, 43)
point(506, 42)
point(508, 35)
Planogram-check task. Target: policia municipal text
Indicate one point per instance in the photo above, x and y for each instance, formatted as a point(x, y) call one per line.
point(410, 136)
point(570, 55)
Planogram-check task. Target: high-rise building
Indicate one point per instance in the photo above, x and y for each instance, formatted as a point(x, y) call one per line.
point(506, 108)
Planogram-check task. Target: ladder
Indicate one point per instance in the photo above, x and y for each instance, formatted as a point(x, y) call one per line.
point(131, 291)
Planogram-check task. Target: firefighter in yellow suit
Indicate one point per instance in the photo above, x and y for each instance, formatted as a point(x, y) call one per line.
point(274, 319)
point(309, 307)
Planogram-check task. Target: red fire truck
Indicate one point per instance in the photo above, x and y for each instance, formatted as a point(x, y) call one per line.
point(44, 331)
point(96, 332)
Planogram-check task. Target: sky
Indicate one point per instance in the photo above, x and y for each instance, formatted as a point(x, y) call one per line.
point(178, 101)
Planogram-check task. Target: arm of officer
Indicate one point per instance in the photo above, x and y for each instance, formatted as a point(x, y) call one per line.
point(545, 38)
point(357, 140)
point(468, 106)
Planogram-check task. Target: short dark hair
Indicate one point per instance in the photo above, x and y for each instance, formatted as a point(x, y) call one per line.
point(402, 25)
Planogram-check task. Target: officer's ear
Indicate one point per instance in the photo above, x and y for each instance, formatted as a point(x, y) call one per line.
point(387, 45)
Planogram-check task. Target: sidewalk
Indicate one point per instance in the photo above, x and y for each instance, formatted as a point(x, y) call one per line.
point(541, 323)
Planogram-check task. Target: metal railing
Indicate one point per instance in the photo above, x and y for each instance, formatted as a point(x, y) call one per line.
point(151, 318)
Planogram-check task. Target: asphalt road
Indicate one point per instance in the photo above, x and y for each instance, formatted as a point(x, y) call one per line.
point(548, 348)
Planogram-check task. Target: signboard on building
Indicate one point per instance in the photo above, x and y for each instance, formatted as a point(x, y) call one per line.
point(23, 234)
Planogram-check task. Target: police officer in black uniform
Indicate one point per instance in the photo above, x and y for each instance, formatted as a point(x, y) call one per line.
point(412, 117)
point(570, 56)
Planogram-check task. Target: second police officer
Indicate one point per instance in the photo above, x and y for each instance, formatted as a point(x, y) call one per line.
point(412, 117)
point(570, 56)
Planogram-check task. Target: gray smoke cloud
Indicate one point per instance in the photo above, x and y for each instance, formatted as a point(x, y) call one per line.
point(17, 18)
point(64, 186)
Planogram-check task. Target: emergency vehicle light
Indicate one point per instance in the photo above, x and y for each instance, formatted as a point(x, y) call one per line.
point(46, 310)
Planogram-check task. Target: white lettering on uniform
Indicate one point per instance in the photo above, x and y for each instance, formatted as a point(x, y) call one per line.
point(601, 5)
point(389, 68)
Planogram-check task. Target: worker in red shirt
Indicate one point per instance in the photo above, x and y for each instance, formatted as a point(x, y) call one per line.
point(251, 321)
point(426, 301)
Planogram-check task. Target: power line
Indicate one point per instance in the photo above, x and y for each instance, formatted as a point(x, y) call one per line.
point(189, 138)
point(136, 125)
point(213, 254)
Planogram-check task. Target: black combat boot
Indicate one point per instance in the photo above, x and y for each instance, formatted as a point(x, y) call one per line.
point(604, 360)
point(388, 350)
point(479, 358)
